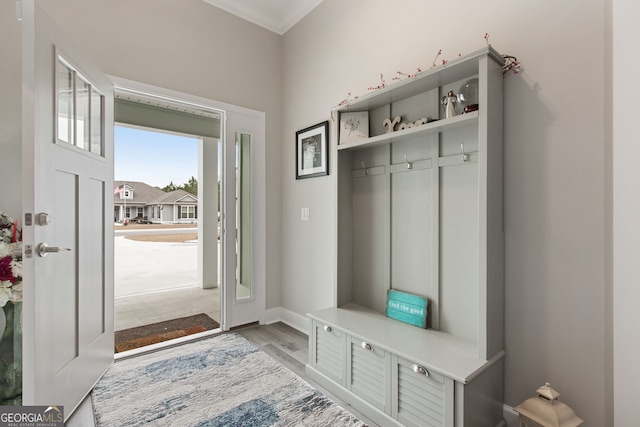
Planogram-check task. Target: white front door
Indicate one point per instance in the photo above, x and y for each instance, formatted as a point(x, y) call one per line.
point(67, 199)
point(243, 277)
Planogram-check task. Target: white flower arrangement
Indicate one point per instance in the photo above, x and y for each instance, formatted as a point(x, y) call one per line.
point(10, 261)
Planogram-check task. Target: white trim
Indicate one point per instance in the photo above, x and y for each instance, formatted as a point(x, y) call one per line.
point(131, 86)
point(182, 199)
point(272, 315)
point(510, 416)
point(165, 344)
point(288, 317)
point(278, 18)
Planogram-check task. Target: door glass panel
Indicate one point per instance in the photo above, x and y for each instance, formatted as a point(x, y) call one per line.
point(96, 122)
point(82, 118)
point(80, 110)
point(64, 88)
point(243, 216)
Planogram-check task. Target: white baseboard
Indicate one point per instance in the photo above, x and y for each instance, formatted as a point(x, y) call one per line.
point(288, 317)
point(270, 316)
point(510, 416)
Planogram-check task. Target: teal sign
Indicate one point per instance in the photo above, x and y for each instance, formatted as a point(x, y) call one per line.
point(407, 308)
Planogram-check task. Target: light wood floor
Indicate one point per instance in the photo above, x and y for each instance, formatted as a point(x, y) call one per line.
point(285, 344)
point(290, 347)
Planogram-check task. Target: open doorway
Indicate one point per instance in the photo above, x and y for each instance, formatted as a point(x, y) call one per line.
point(232, 154)
point(163, 288)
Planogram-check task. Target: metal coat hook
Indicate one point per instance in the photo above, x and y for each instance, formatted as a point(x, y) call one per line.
point(366, 171)
point(409, 164)
point(465, 156)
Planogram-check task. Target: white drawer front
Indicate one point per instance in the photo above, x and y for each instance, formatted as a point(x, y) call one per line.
point(422, 400)
point(369, 373)
point(330, 354)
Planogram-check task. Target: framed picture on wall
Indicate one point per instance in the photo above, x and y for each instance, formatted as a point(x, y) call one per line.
point(312, 151)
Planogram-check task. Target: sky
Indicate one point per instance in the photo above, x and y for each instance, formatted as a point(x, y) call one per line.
point(154, 158)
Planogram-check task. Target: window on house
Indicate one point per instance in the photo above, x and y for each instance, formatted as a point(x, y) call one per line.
point(153, 212)
point(127, 212)
point(187, 212)
point(140, 212)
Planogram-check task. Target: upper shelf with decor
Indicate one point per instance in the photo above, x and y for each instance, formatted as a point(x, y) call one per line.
point(413, 105)
point(425, 129)
point(441, 75)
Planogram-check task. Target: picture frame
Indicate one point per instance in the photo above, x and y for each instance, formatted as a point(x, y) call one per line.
point(354, 126)
point(312, 151)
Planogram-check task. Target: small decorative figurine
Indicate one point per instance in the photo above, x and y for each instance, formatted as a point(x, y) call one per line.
point(449, 103)
point(391, 124)
point(468, 95)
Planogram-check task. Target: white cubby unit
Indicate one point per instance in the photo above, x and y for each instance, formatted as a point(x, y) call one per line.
point(419, 210)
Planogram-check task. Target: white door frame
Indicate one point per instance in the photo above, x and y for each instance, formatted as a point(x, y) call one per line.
point(229, 114)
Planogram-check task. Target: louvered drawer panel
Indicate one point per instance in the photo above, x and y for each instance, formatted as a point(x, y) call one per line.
point(422, 398)
point(330, 352)
point(369, 373)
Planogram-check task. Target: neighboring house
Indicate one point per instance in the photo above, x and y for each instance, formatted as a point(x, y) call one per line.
point(133, 200)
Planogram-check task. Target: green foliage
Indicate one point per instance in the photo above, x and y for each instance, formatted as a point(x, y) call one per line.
point(170, 187)
point(189, 187)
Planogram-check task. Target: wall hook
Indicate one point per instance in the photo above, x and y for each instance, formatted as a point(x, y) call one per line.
point(366, 171)
point(465, 156)
point(409, 164)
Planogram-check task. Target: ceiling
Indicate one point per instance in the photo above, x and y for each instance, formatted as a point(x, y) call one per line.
point(274, 15)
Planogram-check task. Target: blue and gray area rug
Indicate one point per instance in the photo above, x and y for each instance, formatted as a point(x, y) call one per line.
point(220, 381)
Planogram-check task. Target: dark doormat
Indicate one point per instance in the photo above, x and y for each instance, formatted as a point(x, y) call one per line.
point(128, 339)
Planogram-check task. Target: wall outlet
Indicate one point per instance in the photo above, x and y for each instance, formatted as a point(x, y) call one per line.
point(304, 214)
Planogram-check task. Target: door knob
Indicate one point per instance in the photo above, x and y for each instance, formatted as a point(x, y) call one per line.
point(44, 249)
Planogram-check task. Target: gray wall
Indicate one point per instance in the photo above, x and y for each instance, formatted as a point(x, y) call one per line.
point(555, 166)
point(191, 47)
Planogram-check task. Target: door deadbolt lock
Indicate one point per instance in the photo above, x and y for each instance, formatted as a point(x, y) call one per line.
point(44, 219)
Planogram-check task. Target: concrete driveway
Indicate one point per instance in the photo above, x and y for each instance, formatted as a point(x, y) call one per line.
point(144, 267)
point(157, 281)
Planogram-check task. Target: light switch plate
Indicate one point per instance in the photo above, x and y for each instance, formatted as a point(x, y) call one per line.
point(304, 214)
